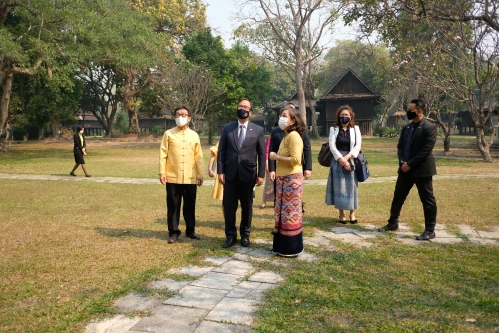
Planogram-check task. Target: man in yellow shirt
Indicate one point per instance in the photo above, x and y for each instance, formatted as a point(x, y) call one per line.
point(181, 165)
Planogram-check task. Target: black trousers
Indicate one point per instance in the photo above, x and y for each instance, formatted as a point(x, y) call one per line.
point(175, 194)
point(233, 191)
point(404, 184)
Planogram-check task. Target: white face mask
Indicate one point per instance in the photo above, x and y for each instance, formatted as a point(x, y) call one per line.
point(282, 123)
point(81, 132)
point(181, 121)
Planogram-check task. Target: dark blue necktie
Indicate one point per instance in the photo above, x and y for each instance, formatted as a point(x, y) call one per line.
point(406, 155)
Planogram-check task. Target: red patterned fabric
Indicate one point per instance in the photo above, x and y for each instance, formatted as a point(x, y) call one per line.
point(288, 205)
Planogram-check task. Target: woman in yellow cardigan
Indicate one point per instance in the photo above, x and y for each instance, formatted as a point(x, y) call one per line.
point(287, 231)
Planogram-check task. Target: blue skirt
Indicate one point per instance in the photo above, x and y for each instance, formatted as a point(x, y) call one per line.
point(341, 188)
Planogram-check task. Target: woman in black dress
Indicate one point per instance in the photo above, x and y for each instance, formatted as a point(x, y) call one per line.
point(79, 151)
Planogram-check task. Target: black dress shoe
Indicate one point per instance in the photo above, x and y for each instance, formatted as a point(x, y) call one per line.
point(245, 242)
point(172, 239)
point(427, 235)
point(389, 227)
point(193, 236)
point(353, 221)
point(229, 242)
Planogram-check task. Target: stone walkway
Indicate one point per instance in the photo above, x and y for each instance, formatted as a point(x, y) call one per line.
point(223, 296)
point(210, 182)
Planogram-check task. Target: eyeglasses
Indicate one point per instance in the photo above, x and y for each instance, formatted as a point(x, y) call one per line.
point(246, 107)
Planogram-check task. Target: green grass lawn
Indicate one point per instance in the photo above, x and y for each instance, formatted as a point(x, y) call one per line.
point(69, 249)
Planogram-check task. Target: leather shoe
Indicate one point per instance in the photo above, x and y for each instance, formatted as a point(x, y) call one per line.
point(245, 242)
point(229, 242)
point(193, 236)
point(427, 235)
point(172, 239)
point(388, 227)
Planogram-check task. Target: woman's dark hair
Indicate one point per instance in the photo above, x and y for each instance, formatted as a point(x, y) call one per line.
point(182, 108)
point(276, 124)
point(298, 125)
point(79, 128)
point(351, 113)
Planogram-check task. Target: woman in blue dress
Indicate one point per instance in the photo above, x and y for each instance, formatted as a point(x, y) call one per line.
point(345, 144)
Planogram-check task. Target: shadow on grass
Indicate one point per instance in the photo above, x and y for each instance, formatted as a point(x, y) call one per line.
point(138, 233)
point(326, 223)
point(206, 243)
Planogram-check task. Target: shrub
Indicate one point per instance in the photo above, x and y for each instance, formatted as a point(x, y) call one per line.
point(392, 132)
point(382, 131)
point(158, 130)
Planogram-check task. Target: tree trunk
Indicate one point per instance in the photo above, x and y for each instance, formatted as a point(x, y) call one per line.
point(482, 145)
point(476, 110)
point(298, 79)
point(6, 86)
point(446, 131)
point(446, 140)
point(128, 101)
point(314, 122)
point(133, 121)
point(56, 125)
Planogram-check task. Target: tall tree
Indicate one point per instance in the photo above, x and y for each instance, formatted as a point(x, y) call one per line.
point(457, 52)
point(186, 84)
point(372, 62)
point(129, 47)
point(172, 22)
point(35, 34)
point(178, 19)
point(240, 71)
point(99, 96)
point(292, 36)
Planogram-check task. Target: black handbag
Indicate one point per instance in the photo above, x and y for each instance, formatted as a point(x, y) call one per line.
point(361, 168)
point(325, 155)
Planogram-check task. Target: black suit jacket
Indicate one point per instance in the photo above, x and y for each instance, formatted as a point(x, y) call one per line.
point(421, 160)
point(249, 162)
point(277, 135)
point(78, 147)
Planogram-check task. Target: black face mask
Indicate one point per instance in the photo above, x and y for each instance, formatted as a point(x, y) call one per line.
point(411, 115)
point(242, 113)
point(345, 120)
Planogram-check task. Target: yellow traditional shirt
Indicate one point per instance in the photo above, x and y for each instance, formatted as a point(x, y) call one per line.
point(291, 146)
point(181, 158)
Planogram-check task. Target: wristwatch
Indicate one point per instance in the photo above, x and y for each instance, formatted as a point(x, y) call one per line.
point(277, 157)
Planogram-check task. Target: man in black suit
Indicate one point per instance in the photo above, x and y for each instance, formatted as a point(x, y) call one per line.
point(277, 135)
point(240, 166)
point(416, 166)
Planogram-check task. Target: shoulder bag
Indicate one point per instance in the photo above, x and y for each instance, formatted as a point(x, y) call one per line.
point(361, 166)
point(325, 155)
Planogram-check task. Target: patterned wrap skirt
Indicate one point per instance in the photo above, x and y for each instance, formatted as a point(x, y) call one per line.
point(268, 189)
point(288, 215)
point(341, 188)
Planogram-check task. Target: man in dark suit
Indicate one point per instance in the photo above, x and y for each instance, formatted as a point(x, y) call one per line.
point(277, 135)
point(416, 166)
point(240, 166)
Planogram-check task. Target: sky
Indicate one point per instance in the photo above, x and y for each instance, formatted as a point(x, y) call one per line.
point(218, 17)
point(219, 14)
